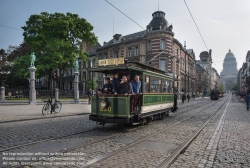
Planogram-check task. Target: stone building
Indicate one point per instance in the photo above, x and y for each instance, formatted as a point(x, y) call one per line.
point(229, 72)
point(155, 46)
point(215, 83)
point(204, 68)
point(202, 80)
point(243, 77)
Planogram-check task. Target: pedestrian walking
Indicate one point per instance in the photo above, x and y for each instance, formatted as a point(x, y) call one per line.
point(183, 97)
point(247, 98)
point(188, 97)
point(89, 93)
point(193, 96)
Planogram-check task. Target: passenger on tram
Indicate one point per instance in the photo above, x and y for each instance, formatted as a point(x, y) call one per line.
point(136, 85)
point(136, 89)
point(156, 89)
point(116, 82)
point(107, 88)
point(124, 86)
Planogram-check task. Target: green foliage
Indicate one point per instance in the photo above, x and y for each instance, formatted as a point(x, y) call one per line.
point(222, 87)
point(20, 67)
point(92, 83)
point(235, 87)
point(56, 39)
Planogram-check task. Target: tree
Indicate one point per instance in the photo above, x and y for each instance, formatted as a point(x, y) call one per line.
point(56, 40)
point(235, 87)
point(222, 87)
point(92, 84)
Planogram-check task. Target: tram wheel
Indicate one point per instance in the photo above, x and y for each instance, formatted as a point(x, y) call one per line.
point(144, 121)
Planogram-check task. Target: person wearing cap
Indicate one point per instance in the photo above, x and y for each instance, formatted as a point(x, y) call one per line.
point(107, 87)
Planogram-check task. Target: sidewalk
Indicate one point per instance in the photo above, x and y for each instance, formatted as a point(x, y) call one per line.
point(23, 112)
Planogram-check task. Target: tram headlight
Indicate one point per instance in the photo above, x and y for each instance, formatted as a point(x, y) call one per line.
point(103, 104)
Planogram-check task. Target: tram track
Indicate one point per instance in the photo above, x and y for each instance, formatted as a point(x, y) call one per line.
point(184, 146)
point(116, 152)
point(187, 108)
point(80, 132)
point(41, 118)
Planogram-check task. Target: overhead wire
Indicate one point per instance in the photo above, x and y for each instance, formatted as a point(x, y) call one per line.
point(124, 14)
point(198, 29)
point(10, 27)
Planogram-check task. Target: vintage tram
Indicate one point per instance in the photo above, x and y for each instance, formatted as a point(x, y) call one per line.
point(155, 101)
point(214, 95)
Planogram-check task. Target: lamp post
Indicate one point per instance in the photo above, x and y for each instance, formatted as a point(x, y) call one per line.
point(185, 67)
point(83, 86)
point(1, 58)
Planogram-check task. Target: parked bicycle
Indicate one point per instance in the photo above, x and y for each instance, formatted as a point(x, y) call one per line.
point(52, 107)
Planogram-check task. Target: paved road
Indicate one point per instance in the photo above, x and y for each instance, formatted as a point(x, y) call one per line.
point(224, 142)
point(20, 112)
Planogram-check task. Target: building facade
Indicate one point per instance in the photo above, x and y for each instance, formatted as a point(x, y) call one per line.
point(155, 46)
point(158, 47)
point(243, 76)
point(229, 73)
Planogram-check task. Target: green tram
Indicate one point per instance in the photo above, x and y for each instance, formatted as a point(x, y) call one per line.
point(155, 101)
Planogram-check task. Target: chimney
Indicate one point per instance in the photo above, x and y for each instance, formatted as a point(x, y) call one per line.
point(104, 43)
point(117, 36)
point(210, 52)
point(185, 44)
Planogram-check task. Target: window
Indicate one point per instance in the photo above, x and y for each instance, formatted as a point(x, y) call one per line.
point(80, 65)
point(183, 64)
point(129, 52)
point(93, 63)
point(155, 84)
point(166, 86)
point(80, 76)
point(116, 54)
point(136, 51)
point(146, 85)
point(162, 64)
point(163, 44)
point(149, 45)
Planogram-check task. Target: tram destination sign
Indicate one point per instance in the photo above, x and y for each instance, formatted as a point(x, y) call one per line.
point(114, 61)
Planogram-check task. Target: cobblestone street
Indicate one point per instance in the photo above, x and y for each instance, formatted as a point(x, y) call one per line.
point(223, 142)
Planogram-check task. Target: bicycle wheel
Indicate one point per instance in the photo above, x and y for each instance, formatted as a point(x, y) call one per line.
point(46, 109)
point(58, 106)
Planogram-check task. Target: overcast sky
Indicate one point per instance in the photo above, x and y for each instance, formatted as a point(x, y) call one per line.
point(224, 24)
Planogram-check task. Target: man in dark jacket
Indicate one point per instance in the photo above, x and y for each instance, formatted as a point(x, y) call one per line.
point(116, 82)
point(124, 86)
point(107, 88)
point(89, 93)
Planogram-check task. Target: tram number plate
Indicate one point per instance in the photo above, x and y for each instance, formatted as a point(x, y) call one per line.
point(106, 109)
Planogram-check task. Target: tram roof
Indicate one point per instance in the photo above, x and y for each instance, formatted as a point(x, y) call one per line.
point(136, 66)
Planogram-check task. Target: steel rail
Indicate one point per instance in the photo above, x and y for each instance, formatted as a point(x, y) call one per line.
point(54, 138)
point(41, 118)
point(167, 163)
point(90, 163)
point(63, 136)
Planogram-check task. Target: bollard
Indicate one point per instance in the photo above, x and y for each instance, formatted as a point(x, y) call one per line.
point(2, 94)
point(76, 88)
point(56, 93)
